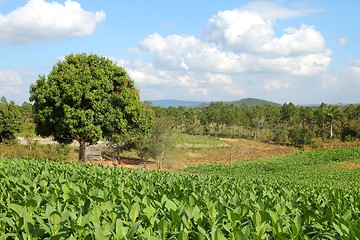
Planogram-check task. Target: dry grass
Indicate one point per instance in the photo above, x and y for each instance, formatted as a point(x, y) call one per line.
point(48, 152)
point(219, 151)
point(187, 151)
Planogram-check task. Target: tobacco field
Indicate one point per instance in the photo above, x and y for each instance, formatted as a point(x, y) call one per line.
point(307, 195)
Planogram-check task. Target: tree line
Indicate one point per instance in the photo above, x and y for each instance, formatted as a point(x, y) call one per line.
point(297, 125)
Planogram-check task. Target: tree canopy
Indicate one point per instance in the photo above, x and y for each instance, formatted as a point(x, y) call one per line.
point(86, 98)
point(10, 120)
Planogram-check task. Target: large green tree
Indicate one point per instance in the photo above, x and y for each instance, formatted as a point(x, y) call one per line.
point(86, 98)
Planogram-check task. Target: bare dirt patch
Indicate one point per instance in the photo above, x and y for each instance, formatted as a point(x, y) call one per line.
point(233, 150)
point(193, 155)
point(353, 165)
point(347, 165)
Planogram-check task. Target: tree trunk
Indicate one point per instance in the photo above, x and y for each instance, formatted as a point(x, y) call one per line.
point(161, 157)
point(331, 131)
point(82, 151)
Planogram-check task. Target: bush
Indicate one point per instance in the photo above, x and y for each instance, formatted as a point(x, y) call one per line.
point(57, 152)
point(301, 136)
point(10, 121)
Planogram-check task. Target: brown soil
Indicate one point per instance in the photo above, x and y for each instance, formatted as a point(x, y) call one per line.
point(347, 165)
point(353, 164)
point(193, 155)
point(236, 150)
point(124, 162)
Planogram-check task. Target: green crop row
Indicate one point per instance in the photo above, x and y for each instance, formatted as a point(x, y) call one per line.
point(317, 169)
point(53, 200)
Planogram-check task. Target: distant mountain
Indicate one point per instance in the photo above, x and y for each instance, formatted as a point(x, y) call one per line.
point(254, 102)
point(247, 101)
point(177, 103)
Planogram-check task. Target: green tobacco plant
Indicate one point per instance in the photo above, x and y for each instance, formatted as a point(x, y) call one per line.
point(291, 197)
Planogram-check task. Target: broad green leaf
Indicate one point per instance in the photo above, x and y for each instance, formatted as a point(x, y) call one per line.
point(121, 231)
point(134, 212)
point(170, 205)
point(163, 226)
point(55, 218)
point(132, 230)
point(149, 211)
point(96, 212)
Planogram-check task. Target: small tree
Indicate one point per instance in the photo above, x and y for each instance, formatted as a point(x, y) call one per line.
point(86, 98)
point(301, 136)
point(10, 120)
point(155, 145)
point(280, 134)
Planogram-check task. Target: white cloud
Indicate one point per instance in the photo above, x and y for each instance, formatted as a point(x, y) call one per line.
point(8, 77)
point(344, 84)
point(10, 83)
point(168, 52)
point(233, 91)
point(39, 20)
point(354, 70)
point(235, 52)
point(274, 11)
point(238, 41)
point(354, 62)
point(353, 74)
point(270, 85)
point(342, 41)
point(330, 82)
point(295, 42)
point(236, 30)
point(219, 79)
point(9, 91)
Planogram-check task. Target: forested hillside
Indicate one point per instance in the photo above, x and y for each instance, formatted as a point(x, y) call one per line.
point(178, 103)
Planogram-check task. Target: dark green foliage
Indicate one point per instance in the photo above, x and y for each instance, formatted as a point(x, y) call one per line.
point(251, 102)
point(10, 121)
point(301, 136)
point(86, 98)
point(267, 123)
point(280, 134)
point(351, 123)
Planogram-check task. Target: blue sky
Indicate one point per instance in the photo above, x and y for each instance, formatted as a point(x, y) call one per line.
point(303, 52)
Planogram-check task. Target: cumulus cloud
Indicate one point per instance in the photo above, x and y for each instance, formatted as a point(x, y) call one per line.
point(168, 52)
point(235, 55)
point(39, 20)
